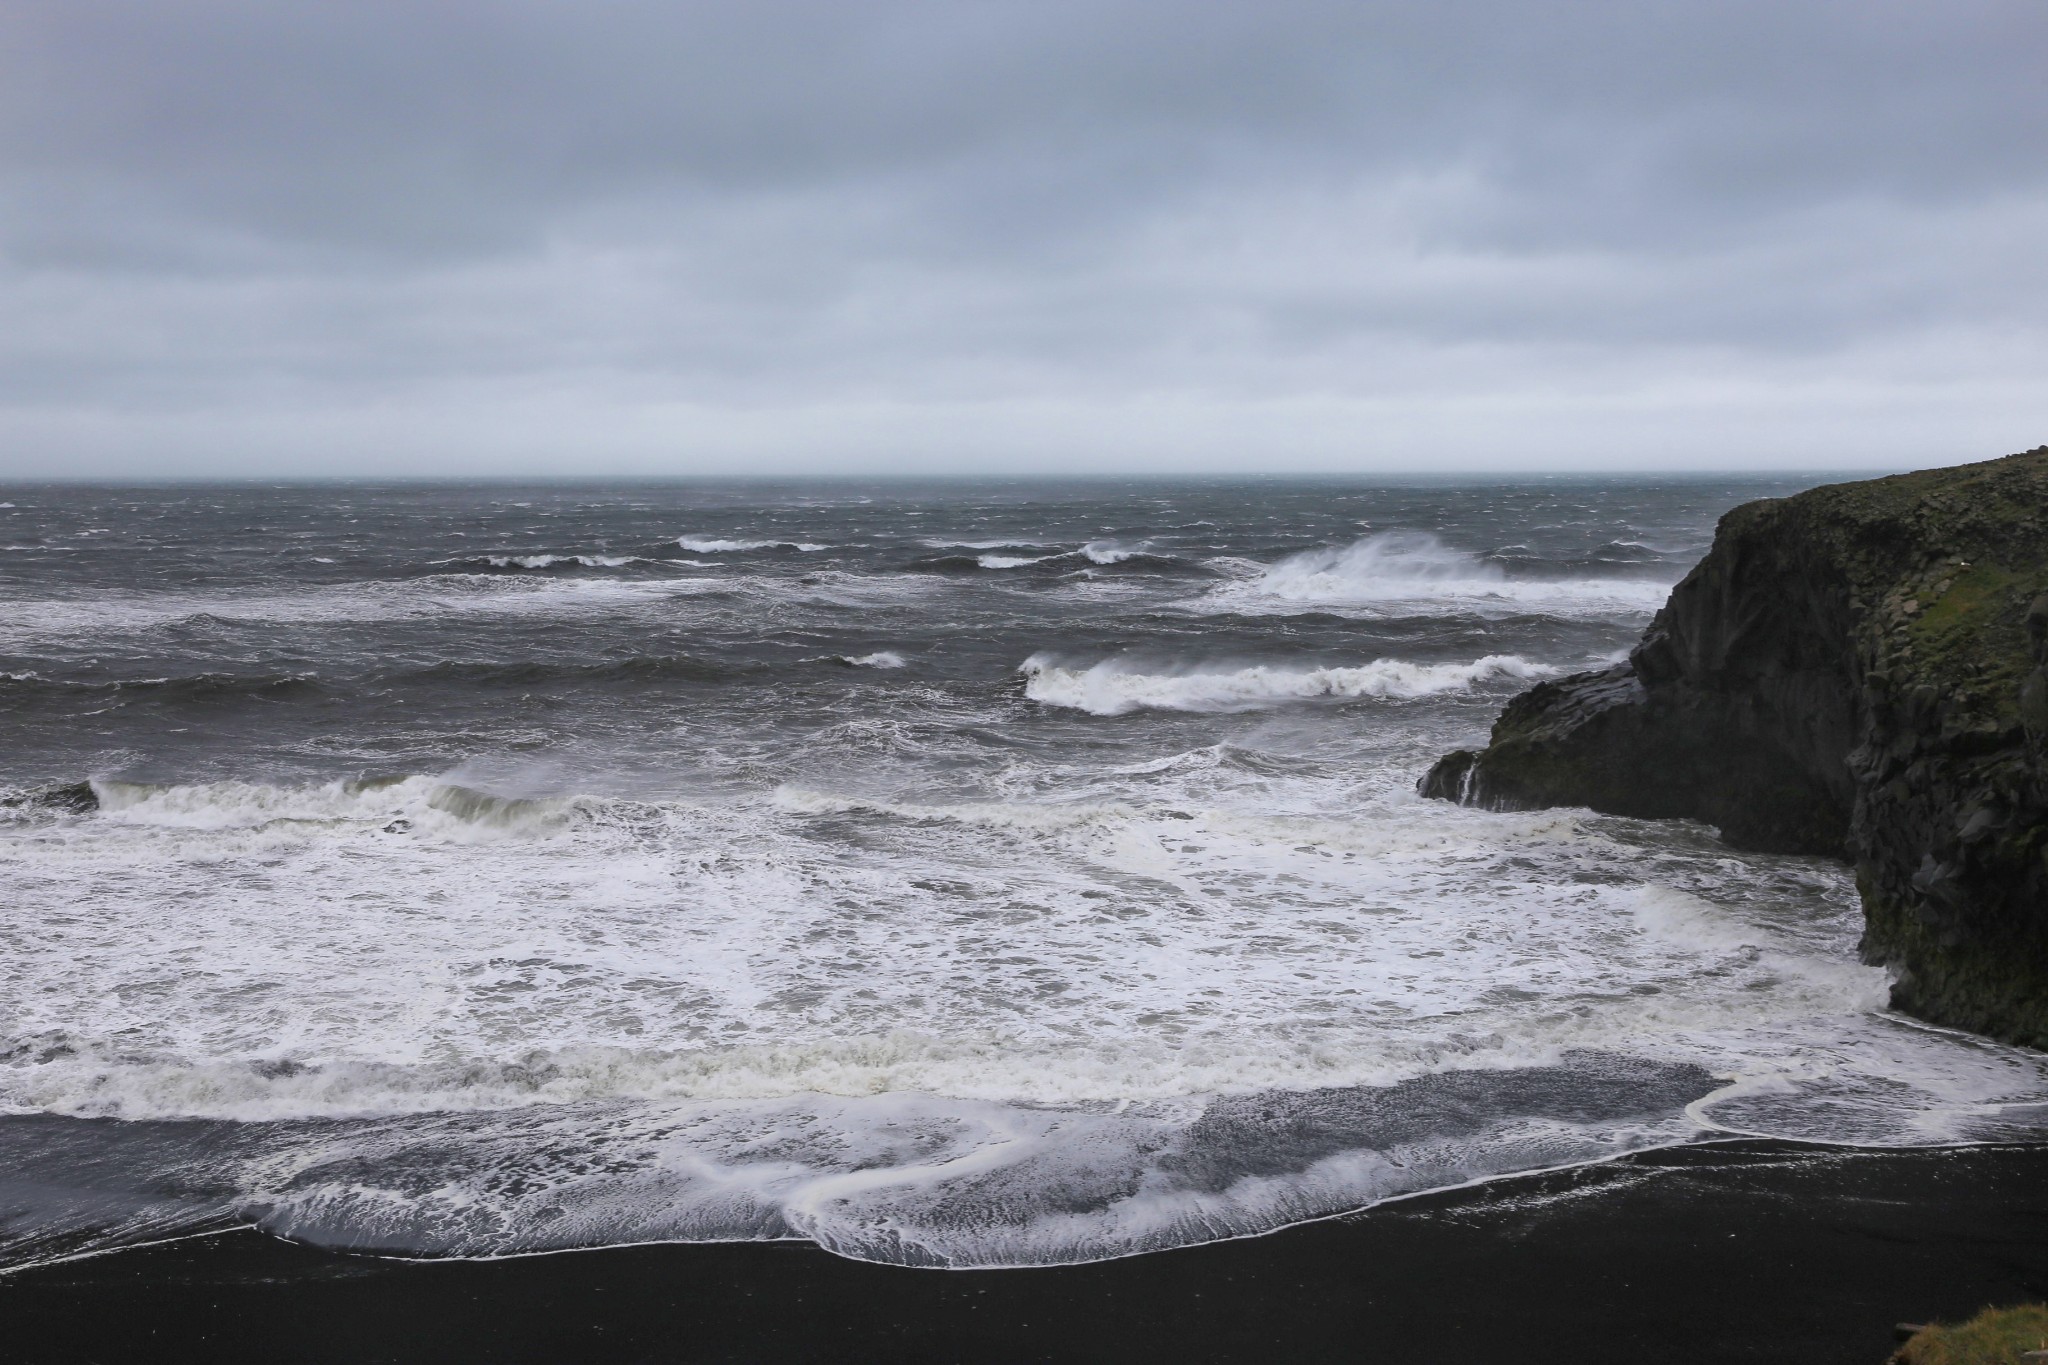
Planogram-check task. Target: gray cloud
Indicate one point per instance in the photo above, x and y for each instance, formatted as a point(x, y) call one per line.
point(686, 237)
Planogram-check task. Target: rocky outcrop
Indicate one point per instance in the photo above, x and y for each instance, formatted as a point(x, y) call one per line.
point(1860, 671)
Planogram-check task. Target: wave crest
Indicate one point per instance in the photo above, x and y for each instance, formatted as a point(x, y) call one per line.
point(1390, 564)
point(400, 805)
point(1114, 687)
point(488, 563)
point(1403, 568)
point(703, 545)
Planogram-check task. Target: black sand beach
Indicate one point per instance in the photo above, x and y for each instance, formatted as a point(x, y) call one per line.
point(1742, 1251)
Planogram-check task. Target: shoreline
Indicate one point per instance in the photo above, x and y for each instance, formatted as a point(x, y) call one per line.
point(1731, 1250)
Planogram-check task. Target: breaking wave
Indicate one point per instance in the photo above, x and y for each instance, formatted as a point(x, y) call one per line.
point(1401, 569)
point(1096, 554)
point(514, 562)
point(703, 545)
point(396, 805)
point(1390, 564)
point(1116, 686)
point(1108, 552)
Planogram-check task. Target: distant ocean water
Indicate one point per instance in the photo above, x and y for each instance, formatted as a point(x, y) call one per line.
point(955, 875)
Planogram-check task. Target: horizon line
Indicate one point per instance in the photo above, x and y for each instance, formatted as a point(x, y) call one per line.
point(1304, 476)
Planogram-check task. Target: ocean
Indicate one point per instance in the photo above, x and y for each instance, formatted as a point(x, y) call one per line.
point(953, 875)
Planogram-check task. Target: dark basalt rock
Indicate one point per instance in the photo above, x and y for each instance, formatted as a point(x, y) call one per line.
point(1860, 671)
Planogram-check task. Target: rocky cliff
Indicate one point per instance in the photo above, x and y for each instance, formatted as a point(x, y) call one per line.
point(1860, 671)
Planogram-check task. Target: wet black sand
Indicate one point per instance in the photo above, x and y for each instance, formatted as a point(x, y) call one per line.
point(1748, 1251)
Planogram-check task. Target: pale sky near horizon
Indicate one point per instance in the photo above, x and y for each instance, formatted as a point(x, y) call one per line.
point(516, 237)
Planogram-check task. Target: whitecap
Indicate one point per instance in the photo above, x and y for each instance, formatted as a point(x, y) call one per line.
point(422, 805)
point(1012, 561)
point(1117, 686)
point(708, 546)
point(541, 561)
point(1401, 570)
point(1108, 552)
point(549, 561)
point(1102, 552)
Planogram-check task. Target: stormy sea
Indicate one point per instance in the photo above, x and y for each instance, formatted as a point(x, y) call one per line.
point(965, 875)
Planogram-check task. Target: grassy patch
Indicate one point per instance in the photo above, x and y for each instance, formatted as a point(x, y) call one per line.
point(1978, 592)
point(1996, 1336)
point(1972, 633)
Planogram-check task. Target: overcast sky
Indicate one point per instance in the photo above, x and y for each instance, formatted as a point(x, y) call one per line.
point(370, 237)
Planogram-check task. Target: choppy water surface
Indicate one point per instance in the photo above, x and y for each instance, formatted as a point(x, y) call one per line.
point(954, 876)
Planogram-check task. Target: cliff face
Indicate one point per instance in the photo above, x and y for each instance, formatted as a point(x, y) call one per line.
point(1860, 671)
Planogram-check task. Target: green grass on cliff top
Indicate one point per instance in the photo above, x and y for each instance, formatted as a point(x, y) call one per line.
point(1978, 620)
point(1980, 533)
point(1996, 1336)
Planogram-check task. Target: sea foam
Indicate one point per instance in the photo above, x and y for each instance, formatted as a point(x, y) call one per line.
point(1013, 1030)
point(1117, 686)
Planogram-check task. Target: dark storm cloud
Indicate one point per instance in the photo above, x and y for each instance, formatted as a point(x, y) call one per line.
point(840, 234)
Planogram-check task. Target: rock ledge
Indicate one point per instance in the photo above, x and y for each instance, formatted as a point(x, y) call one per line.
point(1860, 671)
